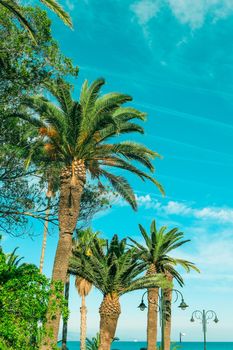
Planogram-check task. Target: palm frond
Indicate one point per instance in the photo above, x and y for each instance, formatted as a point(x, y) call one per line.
point(61, 90)
point(158, 246)
point(121, 186)
point(156, 281)
point(81, 128)
point(15, 9)
point(58, 9)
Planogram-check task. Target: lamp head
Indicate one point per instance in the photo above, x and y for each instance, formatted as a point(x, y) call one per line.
point(216, 320)
point(183, 305)
point(192, 319)
point(142, 306)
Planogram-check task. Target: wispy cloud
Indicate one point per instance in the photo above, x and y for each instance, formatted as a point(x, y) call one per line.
point(224, 215)
point(196, 12)
point(145, 10)
point(193, 13)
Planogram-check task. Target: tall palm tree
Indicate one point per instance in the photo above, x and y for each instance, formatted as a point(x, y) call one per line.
point(75, 136)
point(16, 10)
point(83, 287)
point(114, 272)
point(167, 300)
point(50, 176)
point(84, 244)
point(156, 255)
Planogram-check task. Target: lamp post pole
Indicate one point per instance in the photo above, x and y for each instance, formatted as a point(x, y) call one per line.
point(162, 308)
point(181, 335)
point(204, 316)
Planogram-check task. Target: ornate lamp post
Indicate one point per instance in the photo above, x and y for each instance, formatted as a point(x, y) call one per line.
point(163, 309)
point(204, 317)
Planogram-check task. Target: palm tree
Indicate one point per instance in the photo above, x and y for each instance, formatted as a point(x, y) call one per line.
point(50, 176)
point(13, 265)
point(113, 271)
point(83, 287)
point(13, 7)
point(74, 135)
point(84, 244)
point(156, 255)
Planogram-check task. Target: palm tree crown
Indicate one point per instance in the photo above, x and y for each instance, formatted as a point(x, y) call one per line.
point(113, 271)
point(158, 244)
point(79, 131)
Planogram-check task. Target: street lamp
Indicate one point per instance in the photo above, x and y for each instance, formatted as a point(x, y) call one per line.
point(204, 316)
point(162, 309)
point(181, 335)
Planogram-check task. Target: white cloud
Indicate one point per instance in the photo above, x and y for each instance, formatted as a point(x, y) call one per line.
point(177, 208)
point(214, 258)
point(224, 215)
point(189, 11)
point(145, 10)
point(147, 202)
point(193, 13)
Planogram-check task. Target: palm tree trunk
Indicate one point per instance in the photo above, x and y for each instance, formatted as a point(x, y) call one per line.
point(72, 181)
point(152, 314)
point(83, 324)
point(167, 295)
point(152, 318)
point(45, 234)
point(65, 322)
point(109, 314)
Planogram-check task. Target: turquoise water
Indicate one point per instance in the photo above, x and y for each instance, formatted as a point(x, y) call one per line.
point(138, 345)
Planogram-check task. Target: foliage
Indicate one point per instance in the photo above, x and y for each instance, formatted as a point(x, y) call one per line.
point(81, 129)
point(22, 189)
point(25, 66)
point(113, 269)
point(19, 200)
point(85, 239)
point(24, 295)
point(17, 11)
point(158, 245)
point(94, 342)
point(93, 201)
point(83, 243)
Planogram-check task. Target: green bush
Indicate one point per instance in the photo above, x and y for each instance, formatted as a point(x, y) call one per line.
point(24, 296)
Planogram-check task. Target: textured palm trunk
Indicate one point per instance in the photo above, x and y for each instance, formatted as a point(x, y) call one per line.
point(152, 318)
point(72, 181)
point(167, 294)
point(83, 325)
point(109, 314)
point(45, 234)
point(152, 315)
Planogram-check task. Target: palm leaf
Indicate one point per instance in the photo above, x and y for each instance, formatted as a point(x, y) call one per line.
point(122, 187)
point(13, 7)
point(58, 9)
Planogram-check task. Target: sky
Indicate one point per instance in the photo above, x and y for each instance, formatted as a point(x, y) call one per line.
point(174, 57)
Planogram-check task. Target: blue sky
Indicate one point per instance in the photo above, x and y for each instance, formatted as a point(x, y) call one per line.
point(175, 58)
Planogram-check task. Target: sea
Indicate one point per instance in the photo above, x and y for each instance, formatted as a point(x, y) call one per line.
point(127, 345)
